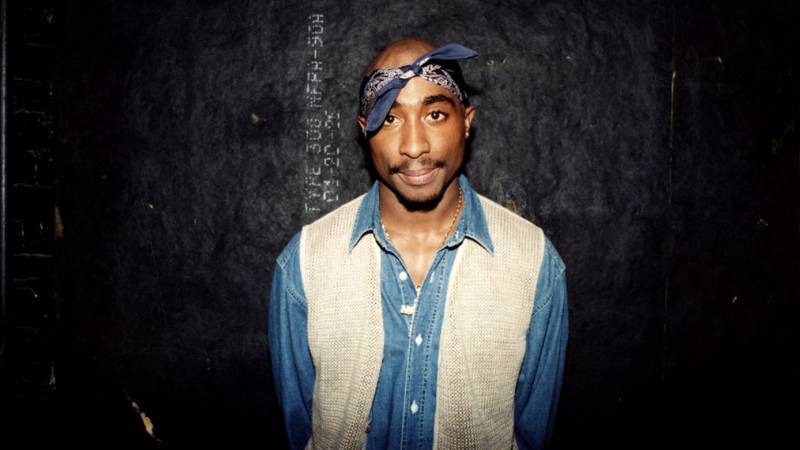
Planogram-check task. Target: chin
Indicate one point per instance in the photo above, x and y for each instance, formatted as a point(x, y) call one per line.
point(421, 200)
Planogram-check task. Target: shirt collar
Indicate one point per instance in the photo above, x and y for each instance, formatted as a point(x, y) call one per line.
point(471, 225)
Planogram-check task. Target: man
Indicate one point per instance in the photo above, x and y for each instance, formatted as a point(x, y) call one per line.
point(419, 314)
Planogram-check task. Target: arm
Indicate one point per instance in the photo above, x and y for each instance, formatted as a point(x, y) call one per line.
point(292, 368)
point(539, 384)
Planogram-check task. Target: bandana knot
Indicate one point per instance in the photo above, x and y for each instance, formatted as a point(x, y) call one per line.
point(410, 73)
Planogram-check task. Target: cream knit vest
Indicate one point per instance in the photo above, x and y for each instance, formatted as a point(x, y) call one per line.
point(487, 314)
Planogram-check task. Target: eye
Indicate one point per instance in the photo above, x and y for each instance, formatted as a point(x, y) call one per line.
point(437, 116)
point(389, 119)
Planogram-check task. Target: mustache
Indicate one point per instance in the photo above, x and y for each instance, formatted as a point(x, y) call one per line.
point(426, 163)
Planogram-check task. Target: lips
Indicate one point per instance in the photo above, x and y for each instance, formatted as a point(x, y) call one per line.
point(418, 177)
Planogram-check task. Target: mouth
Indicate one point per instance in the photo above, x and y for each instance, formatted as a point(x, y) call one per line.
point(418, 177)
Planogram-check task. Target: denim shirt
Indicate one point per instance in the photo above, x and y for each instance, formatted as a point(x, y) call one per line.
point(404, 406)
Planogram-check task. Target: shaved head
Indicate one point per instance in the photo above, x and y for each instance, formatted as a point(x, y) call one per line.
point(399, 53)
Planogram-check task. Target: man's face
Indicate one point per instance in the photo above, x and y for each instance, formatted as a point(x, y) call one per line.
point(420, 147)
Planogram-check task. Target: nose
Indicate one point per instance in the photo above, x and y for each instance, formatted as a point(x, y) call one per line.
point(414, 140)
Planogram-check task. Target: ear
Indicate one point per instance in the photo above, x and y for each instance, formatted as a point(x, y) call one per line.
point(362, 122)
point(469, 113)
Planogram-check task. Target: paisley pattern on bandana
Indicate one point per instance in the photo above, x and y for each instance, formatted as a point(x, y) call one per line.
point(377, 80)
point(437, 75)
point(379, 89)
point(434, 73)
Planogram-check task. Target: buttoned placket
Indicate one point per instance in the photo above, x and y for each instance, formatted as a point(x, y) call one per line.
point(426, 304)
point(414, 333)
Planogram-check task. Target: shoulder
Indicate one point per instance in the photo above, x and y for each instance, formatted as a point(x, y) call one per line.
point(552, 270)
point(502, 220)
point(345, 212)
point(330, 234)
point(552, 259)
point(506, 226)
point(496, 211)
point(551, 290)
point(286, 278)
point(289, 252)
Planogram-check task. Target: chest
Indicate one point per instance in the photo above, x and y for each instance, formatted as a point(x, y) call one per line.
point(417, 258)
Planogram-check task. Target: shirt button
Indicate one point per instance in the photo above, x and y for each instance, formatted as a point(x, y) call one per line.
point(403, 276)
point(418, 340)
point(414, 407)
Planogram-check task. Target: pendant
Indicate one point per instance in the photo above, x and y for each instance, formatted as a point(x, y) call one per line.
point(408, 310)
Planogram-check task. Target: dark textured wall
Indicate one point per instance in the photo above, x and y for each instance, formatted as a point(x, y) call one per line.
point(28, 309)
point(654, 143)
point(734, 248)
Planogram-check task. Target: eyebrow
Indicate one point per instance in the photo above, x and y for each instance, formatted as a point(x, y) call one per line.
point(429, 100)
point(436, 99)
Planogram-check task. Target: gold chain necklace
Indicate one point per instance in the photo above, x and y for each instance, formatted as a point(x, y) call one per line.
point(452, 221)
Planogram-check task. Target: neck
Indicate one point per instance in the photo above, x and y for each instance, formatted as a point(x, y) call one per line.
point(419, 223)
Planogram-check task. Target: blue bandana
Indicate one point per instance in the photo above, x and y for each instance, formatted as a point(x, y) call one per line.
point(380, 89)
